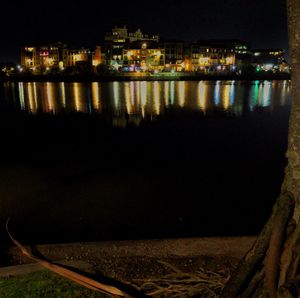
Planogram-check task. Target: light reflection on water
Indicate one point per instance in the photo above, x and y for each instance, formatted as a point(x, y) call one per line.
point(146, 98)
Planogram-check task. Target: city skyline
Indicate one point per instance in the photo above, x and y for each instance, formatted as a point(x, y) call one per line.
point(262, 24)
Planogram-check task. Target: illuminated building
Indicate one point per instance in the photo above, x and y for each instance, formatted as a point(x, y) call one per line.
point(44, 57)
point(97, 56)
point(212, 55)
point(174, 54)
point(144, 56)
point(120, 39)
point(269, 60)
point(79, 55)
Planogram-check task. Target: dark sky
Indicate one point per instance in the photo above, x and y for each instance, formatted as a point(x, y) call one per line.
point(261, 22)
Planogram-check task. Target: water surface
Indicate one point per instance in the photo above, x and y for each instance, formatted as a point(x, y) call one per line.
point(120, 160)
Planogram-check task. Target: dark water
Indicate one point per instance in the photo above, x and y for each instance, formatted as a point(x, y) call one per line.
point(140, 159)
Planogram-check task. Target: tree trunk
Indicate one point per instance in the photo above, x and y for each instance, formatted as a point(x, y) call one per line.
point(292, 175)
point(271, 267)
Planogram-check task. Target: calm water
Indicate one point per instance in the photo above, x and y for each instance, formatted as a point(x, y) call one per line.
point(126, 160)
point(144, 99)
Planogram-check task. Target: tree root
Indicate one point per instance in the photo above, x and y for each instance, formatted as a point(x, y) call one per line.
point(246, 270)
point(202, 283)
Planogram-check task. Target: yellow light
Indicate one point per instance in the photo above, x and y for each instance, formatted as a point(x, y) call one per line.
point(156, 98)
point(181, 93)
point(203, 61)
point(96, 95)
point(202, 96)
point(229, 60)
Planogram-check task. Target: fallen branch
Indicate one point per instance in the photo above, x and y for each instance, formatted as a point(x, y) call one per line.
point(71, 275)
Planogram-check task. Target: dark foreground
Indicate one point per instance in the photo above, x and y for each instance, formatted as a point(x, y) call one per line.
point(76, 178)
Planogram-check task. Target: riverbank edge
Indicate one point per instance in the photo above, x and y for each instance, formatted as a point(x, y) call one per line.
point(126, 78)
point(124, 259)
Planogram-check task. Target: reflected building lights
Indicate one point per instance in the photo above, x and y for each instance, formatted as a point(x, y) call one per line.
point(77, 97)
point(166, 93)
point(62, 91)
point(232, 93)
point(21, 94)
point(116, 94)
point(143, 87)
point(156, 98)
point(31, 99)
point(137, 87)
point(217, 93)
point(266, 97)
point(128, 100)
point(172, 92)
point(96, 96)
point(254, 93)
point(181, 93)
point(35, 95)
point(202, 96)
point(50, 99)
point(283, 96)
point(226, 97)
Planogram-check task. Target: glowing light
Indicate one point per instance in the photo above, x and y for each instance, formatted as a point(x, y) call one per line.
point(203, 61)
point(268, 67)
point(202, 96)
point(116, 94)
point(226, 97)
point(181, 93)
point(77, 97)
point(266, 97)
point(253, 95)
point(229, 60)
point(156, 97)
point(128, 100)
point(21, 92)
point(49, 95)
point(96, 96)
point(32, 106)
point(143, 87)
point(166, 93)
point(172, 92)
point(62, 91)
point(217, 95)
point(232, 92)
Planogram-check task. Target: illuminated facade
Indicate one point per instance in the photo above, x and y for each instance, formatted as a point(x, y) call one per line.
point(58, 56)
point(269, 60)
point(143, 56)
point(174, 55)
point(209, 56)
point(45, 57)
point(79, 55)
point(119, 40)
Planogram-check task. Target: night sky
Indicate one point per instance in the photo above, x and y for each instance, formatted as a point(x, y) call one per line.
point(261, 22)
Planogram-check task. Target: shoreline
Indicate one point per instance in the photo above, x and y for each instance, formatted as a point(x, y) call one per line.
point(129, 78)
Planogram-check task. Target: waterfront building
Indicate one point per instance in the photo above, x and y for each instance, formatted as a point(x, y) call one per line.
point(269, 60)
point(44, 57)
point(79, 55)
point(174, 55)
point(212, 55)
point(118, 40)
point(97, 56)
point(143, 56)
